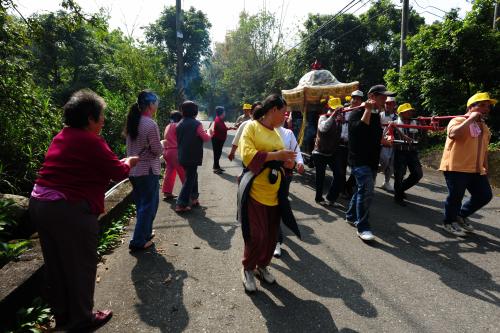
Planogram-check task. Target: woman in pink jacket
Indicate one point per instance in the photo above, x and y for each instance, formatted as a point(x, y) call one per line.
point(172, 166)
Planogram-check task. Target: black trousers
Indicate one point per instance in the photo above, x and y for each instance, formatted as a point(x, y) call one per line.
point(69, 236)
point(345, 187)
point(405, 160)
point(217, 147)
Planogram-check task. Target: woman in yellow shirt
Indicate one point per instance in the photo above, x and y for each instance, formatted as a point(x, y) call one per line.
point(260, 207)
point(465, 164)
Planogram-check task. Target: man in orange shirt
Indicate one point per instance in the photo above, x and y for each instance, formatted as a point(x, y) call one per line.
point(465, 164)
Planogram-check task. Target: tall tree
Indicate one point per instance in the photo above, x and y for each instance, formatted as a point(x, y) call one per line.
point(242, 68)
point(195, 41)
point(450, 61)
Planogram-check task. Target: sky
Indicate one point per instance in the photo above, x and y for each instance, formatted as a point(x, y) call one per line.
point(131, 15)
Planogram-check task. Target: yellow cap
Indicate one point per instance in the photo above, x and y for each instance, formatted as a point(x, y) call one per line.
point(247, 106)
point(479, 97)
point(334, 102)
point(404, 107)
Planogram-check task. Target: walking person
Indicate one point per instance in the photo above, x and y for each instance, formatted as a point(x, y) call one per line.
point(387, 152)
point(365, 135)
point(66, 200)
point(262, 200)
point(219, 137)
point(325, 146)
point(143, 139)
point(241, 127)
point(465, 164)
point(290, 142)
point(346, 187)
point(406, 154)
point(190, 138)
point(172, 166)
point(247, 115)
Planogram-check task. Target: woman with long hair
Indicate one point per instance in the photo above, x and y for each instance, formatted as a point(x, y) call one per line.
point(143, 139)
point(172, 166)
point(262, 194)
point(66, 200)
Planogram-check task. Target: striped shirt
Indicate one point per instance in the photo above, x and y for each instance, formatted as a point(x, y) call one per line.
point(147, 146)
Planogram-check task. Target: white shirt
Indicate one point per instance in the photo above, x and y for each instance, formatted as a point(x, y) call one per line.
point(239, 132)
point(290, 143)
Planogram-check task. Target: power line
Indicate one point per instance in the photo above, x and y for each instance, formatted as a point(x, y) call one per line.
point(342, 11)
point(415, 1)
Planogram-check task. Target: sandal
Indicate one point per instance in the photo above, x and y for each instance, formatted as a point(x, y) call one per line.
point(195, 203)
point(169, 196)
point(146, 246)
point(181, 209)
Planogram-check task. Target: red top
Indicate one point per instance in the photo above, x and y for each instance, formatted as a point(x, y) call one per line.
point(220, 129)
point(80, 165)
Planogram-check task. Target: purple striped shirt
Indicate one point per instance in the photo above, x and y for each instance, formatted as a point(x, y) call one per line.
point(147, 146)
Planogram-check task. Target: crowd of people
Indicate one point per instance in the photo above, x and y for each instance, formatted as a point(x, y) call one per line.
point(375, 135)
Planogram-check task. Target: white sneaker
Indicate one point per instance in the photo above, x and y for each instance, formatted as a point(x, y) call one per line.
point(465, 224)
point(264, 274)
point(248, 280)
point(277, 250)
point(366, 235)
point(454, 229)
point(388, 187)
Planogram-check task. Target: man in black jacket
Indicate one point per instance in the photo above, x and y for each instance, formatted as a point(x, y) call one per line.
point(365, 134)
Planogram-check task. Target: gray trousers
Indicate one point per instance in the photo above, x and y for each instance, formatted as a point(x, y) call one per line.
point(387, 162)
point(69, 236)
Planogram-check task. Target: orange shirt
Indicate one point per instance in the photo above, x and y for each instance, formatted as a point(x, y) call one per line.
point(466, 154)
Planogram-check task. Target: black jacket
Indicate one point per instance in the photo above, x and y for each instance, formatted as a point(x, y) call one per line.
point(364, 140)
point(284, 205)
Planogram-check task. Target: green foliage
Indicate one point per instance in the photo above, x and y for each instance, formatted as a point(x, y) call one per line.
point(28, 119)
point(450, 61)
point(7, 222)
point(34, 319)
point(13, 249)
point(62, 52)
point(195, 44)
point(112, 236)
point(243, 67)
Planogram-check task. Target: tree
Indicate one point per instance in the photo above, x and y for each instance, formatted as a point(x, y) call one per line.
point(195, 42)
point(242, 68)
point(449, 62)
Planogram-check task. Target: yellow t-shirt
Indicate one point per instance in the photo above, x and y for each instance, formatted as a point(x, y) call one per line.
point(466, 154)
point(258, 138)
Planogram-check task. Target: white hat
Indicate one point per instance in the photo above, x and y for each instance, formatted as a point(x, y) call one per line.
point(390, 99)
point(358, 93)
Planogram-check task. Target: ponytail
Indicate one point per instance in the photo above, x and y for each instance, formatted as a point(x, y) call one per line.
point(145, 98)
point(133, 119)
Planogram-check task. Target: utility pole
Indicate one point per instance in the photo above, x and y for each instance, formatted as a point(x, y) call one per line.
point(405, 13)
point(180, 61)
point(496, 15)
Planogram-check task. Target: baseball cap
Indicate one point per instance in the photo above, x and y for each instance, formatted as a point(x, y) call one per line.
point(381, 89)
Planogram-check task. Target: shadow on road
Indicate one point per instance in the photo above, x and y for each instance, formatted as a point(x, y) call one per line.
point(319, 278)
point(209, 230)
point(159, 287)
point(295, 314)
point(442, 258)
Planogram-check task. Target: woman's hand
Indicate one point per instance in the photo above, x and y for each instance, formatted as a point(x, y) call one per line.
point(130, 161)
point(300, 168)
point(284, 155)
point(289, 164)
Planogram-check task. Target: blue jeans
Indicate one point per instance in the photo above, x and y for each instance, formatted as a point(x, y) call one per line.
point(358, 211)
point(146, 194)
point(189, 189)
point(457, 182)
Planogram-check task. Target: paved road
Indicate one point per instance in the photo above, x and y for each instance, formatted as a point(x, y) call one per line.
point(414, 278)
